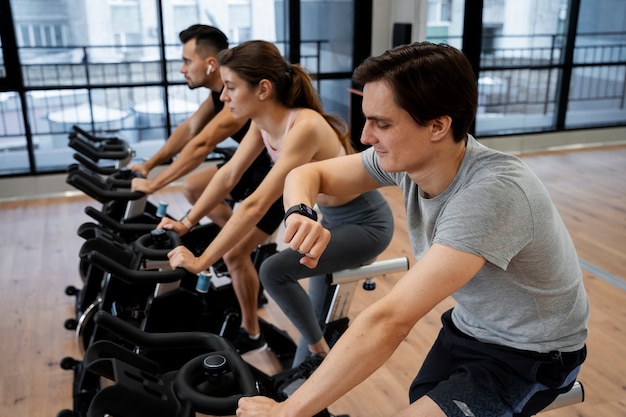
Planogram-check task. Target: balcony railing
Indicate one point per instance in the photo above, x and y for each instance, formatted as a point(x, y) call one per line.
point(128, 91)
point(524, 79)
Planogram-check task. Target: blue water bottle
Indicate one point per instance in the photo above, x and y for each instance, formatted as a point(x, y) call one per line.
point(204, 280)
point(161, 209)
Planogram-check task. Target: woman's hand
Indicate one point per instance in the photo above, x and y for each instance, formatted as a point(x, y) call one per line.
point(170, 224)
point(258, 407)
point(182, 257)
point(306, 236)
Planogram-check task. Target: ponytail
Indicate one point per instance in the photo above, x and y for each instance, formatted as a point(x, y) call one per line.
point(256, 60)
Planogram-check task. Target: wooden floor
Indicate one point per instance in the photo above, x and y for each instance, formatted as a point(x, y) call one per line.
point(39, 257)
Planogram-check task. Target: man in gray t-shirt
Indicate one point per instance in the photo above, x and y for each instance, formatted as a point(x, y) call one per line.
point(496, 208)
point(483, 230)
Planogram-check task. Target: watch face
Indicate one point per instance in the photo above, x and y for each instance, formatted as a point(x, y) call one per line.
point(308, 212)
point(303, 210)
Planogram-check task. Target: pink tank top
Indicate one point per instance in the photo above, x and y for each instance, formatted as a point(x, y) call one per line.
point(275, 153)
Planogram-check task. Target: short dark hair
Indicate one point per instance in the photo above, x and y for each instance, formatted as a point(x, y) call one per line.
point(428, 81)
point(206, 37)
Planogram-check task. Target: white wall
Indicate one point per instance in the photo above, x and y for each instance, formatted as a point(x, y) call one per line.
point(381, 26)
point(388, 12)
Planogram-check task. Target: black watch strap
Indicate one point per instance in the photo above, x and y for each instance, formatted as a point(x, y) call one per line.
point(303, 210)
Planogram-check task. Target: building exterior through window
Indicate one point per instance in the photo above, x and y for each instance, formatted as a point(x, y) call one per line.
point(112, 67)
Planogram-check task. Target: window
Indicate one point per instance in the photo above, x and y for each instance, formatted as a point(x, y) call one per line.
point(125, 22)
point(439, 11)
point(597, 92)
point(444, 21)
point(526, 64)
point(543, 66)
point(41, 34)
point(185, 15)
point(99, 65)
point(240, 28)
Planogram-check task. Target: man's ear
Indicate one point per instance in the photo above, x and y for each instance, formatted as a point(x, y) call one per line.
point(440, 127)
point(211, 65)
point(264, 89)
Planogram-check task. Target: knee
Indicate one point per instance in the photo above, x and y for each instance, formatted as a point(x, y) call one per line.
point(190, 190)
point(273, 272)
point(235, 258)
point(265, 273)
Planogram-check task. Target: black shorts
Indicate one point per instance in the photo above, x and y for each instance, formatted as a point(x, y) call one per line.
point(249, 182)
point(466, 377)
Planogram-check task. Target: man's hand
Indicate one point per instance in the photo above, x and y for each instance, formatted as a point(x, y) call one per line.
point(142, 185)
point(258, 407)
point(182, 257)
point(141, 168)
point(308, 237)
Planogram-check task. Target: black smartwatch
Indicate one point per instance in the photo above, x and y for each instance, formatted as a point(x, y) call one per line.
point(302, 209)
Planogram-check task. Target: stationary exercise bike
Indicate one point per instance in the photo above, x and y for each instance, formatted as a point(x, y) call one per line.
point(134, 281)
point(210, 383)
point(110, 184)
point(157, 299)
point(93, 150)
point(342, 285)
point(139, 254)
point(125, 215)
point(144, 386)
point(211, 379)
point(341, 289)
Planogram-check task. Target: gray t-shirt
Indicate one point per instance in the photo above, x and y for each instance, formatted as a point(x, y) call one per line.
point(530, 294)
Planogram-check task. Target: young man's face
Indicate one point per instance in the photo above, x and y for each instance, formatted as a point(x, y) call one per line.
point(400, 143)
point(194, 67)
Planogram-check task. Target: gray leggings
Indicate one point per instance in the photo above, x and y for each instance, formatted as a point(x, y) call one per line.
point(360, 231)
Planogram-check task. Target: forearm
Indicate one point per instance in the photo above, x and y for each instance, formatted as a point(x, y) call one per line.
point(302, 185)
point(340, 177)
point(215, 192)
point(366, 345)
point(173, 145)
point(242, 221)
point(377, 331)
point(189, 159)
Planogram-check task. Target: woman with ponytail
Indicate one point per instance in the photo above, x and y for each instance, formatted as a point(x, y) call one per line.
point(287, 120)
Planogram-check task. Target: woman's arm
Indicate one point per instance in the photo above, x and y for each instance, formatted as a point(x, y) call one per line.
point(221, 184)
point(300, 145)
